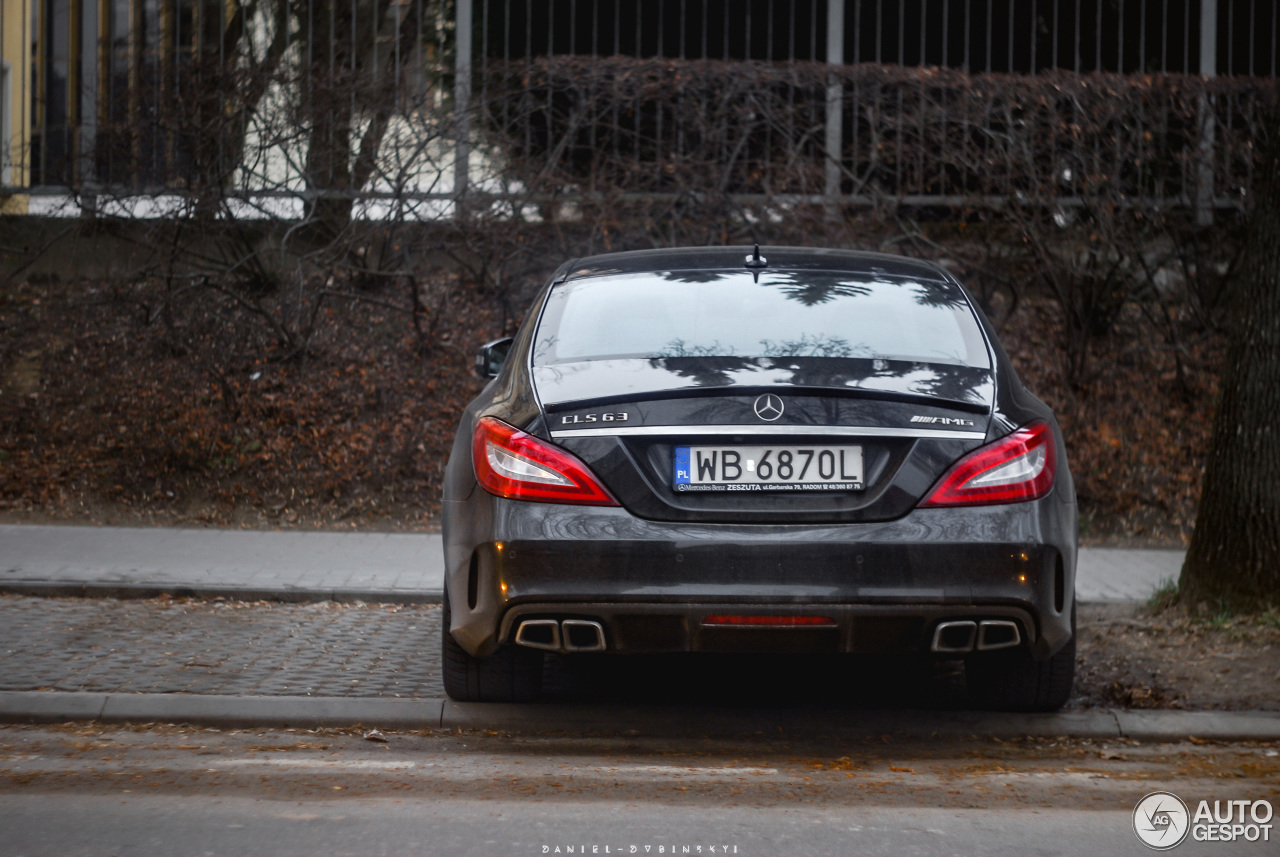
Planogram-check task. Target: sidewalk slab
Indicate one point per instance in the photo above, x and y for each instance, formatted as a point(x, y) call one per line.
point(242, 712)
point(136, 562)
point(1125, 574)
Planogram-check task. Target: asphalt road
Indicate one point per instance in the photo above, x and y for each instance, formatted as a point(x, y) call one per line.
point(171, 791)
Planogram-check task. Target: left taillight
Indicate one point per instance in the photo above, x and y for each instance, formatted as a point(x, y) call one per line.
point(1019, 466)
point(516, 465)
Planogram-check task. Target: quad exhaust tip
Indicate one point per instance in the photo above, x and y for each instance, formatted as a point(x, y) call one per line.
point(955, 636)
point(582, 635)
point(998, 634)
point(570, 635)
point(539, 634)
point(966, 635)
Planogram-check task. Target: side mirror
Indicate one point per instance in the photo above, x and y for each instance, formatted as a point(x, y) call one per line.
point(491, 356)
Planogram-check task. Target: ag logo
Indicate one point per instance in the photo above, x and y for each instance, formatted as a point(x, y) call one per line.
point(768, 407)
point(1161, 820)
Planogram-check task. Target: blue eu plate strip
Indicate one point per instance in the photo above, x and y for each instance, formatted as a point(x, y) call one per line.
point(682, 465)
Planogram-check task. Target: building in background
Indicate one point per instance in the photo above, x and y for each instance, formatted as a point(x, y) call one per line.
point(15, 102)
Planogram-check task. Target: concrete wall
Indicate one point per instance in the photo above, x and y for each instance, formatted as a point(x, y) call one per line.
point(15, 99)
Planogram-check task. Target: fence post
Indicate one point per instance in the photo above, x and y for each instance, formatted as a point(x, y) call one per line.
point(462, 104)
point(91, 86)
point(835, 98)
point(1208, 69)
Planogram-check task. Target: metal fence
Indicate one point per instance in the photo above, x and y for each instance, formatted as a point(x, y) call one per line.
point(381, 99)
point(1005, 36)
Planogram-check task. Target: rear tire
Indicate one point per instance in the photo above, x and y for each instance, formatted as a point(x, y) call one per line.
point(1012, 681)
point(511, 674)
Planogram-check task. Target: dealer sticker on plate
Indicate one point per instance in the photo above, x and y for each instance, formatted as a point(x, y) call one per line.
point(768, 468)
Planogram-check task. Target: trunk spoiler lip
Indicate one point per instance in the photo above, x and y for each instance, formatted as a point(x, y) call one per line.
point(772, 429)
point(983, 408)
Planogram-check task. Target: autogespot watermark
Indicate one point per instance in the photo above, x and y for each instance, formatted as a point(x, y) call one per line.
point(1162, 821)
point(666, 849)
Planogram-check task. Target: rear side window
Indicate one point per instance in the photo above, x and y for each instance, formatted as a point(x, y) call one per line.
point(784, 314)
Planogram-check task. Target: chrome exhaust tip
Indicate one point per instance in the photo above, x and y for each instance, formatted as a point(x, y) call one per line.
point(954, 637)
point(998, 634)
point(539, 634)
point(583, 635)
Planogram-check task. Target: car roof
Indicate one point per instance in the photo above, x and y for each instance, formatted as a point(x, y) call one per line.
point(732, 258)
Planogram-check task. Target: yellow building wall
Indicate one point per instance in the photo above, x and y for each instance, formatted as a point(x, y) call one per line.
point(15, 53)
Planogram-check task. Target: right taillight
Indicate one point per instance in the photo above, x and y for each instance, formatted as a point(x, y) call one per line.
point(519, 466)
point(1019, 466)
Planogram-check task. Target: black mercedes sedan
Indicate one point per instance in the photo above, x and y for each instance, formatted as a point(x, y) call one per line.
point(775, 450)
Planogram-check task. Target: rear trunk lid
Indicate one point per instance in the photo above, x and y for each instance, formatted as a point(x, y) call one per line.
point(891, 427)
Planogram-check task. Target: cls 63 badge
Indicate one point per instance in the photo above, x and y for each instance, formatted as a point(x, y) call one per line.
point(574, 419)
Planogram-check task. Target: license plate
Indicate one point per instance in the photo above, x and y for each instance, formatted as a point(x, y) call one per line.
point(768, 468)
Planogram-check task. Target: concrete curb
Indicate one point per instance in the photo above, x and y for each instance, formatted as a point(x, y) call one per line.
point(319, 712)
point(227, 712)
point(288, 594)
point(1220, 725)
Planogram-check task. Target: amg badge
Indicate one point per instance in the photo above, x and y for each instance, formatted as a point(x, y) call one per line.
point(942, 421)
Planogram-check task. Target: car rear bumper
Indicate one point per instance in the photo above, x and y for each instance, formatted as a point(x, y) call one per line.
point(644, 627)
point(651, 586)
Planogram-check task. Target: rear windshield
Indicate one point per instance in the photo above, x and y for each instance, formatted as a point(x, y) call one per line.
point(785, 314)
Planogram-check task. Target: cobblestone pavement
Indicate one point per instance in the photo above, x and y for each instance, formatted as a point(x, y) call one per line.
point(379, 650)
point(268, 649)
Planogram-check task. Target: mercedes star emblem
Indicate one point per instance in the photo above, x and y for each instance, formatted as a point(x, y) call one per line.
point(768, 407)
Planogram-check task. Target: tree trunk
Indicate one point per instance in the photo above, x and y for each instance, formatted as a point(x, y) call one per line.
point(328, 166)
point(219, 95)
point(1234, 558)
point(342, 89)
point(328, 109)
